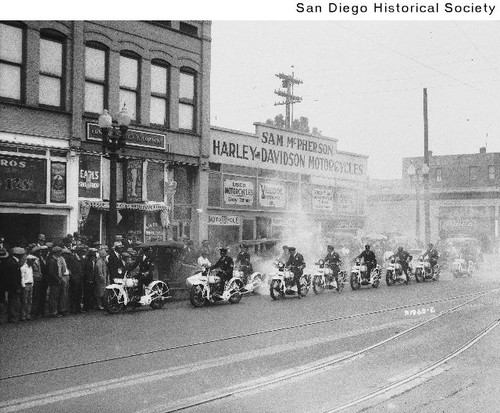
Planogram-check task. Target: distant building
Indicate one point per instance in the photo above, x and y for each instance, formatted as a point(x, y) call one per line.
point(464, 199)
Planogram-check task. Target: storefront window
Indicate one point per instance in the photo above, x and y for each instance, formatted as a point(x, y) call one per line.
point(131, 224)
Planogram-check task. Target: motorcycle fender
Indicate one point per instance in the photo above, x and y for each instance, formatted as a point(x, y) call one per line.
point(152, 284)
point(122, 291)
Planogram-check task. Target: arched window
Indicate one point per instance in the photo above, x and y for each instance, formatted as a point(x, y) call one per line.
point(96, 78)
point(129, 83)
point(160, 80)
point(52, 58)
point(12, 61)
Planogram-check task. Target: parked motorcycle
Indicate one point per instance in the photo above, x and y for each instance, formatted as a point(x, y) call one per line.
point(358, 276)
point(126, 292)
point(205, 288)
point(462, 267)
point(252, 283)
point(324, 279)
point(395, 274)
point(282, 283)
point(424, 271)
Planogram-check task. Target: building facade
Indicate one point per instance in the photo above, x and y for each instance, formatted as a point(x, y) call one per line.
point(282, 184)
point(56, 77)
point(464, 199)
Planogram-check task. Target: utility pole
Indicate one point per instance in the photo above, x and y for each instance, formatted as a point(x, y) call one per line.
point(287, 82)
point(427, 206)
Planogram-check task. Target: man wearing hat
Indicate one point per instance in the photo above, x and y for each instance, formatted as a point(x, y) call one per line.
point(243, 259)
point(296, 264)
point(40, 240)
point(27, 287)
point(74, 264)
point(333, 261)
point(89, 273)
point(55, 273)
point(145, 263)
point(225, 264)
point(13, 283)
point(3, 257)
point(115, 262)
point(369, 259)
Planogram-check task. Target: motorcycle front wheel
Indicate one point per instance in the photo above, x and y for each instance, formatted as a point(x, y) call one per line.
point(318, 285)
point(388, 278)
point(113, 304)
point(275, 290)
point(159, 292)
point(419, 276)
point(236, 297)
point(355, 284)
point(196, 296)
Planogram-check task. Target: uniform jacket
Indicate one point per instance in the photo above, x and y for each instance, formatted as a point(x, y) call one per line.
point(74, 266)
point(296, 261)
point(144, 263)
point(332, 258)
point(368, 256)
point(226, 264)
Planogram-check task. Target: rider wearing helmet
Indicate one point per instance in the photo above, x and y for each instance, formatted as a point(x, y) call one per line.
point(296, 264)
point(225, 264)
point(333, 261)
point(369, 259)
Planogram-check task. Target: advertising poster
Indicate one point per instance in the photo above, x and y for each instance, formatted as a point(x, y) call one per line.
point(272, 195)
point(23, 179)
point(89, 176)
point(238, 192)
point(322, 199)
point(134, 180)
point(154, 229)
point(346, 201)
point(223, 220)
point(58, 182)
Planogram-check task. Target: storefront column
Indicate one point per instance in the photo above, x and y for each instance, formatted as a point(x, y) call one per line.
point(73, 168)
point(199, 214)
point(497, 217)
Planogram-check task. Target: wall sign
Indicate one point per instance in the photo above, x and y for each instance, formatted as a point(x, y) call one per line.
point(89, 176)
point(134, 137)
point(272, 195)
point(154, 229)
point(223, 220)
point(322, 199)
point(58, 182)
point(134, 180)
point(23, 179)
point(238, 192)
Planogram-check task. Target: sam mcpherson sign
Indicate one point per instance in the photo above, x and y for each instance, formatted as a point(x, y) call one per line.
point(277, 149)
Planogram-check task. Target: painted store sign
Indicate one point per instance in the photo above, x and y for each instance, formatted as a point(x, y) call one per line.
point(134, 137)
point(223, 220)
point(322, 199)
point(289, 151)
point(89, 176)
point(239, 192)
point(272, 195)
point(23, 179)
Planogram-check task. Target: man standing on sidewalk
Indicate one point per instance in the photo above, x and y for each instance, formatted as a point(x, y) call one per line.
point(13, 279)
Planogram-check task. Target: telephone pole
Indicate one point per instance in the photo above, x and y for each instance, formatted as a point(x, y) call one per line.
point(427, 206)
point(287, 83)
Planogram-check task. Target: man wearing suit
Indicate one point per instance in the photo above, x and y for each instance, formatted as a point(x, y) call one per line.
point(115, 263)
point(13, 278)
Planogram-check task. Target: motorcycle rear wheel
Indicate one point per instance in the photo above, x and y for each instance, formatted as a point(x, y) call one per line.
point(304, 286)
point(388, 278)
point(275, 290)
point(161, 291)
point(355, 284)
point(235, 298)
point(419, 276)
point(113, 304)
point(196, 296)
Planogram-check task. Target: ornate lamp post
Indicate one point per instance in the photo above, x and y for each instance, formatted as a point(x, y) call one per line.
point(114, 136)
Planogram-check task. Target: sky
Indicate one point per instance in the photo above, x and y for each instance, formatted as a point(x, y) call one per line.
point(363, 83)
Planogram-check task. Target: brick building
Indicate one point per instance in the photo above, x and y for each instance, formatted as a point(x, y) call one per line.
point(56, 77)
point(464, 199)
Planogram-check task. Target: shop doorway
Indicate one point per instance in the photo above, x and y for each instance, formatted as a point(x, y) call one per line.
point(22, 229)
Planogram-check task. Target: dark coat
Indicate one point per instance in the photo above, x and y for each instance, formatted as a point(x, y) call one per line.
point(332, 258)
point(296, 263)
point(368, 257)
point(12, 275)
point(88, 269)
point(226, 264)
point(74, 266)
point(114, 264)
point(52, 271)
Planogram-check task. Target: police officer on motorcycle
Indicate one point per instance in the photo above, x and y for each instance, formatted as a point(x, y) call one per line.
point(243, 259)
point(333, 261)
point(433, 256)
point(296, 264)
point(404, 258)
point(226, 266)
point(145, 262)
point(369, 259)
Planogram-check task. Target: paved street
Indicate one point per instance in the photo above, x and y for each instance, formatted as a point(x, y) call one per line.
point(323, 353)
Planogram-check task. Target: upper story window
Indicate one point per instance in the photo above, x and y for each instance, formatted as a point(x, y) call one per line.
point(491, 172)
point(159, 113)
point(187, 101)
point(129, 83)
point(12, 61)
point(473, 173)
point(188, 28)
point(51, 69)
point(439, 175)
point(96, 78)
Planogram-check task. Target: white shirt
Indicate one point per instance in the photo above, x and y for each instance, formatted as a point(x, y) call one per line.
point(26, 275)
point(203, 262)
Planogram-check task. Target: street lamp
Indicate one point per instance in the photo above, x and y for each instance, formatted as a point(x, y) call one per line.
point(113, 139)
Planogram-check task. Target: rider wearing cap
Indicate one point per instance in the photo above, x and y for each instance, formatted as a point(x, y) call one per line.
point(243, 259)
point(333, 261)
point(404, 258)
point(145, 262)
point(225, 264)
point(432, 254)
point(296, 264)
point(369, 259)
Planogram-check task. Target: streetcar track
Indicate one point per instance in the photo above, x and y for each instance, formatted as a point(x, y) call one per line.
point(203, 399)
point(239, 336)
point(418, 374)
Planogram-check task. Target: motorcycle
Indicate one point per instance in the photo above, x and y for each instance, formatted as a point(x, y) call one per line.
point(252, 283)
point(204, 288)
point(323, 278)
point(282, 282)
point(395, 274)
point(462, 267)
point(424, 271)
point(358, 273)
point(125, 292)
